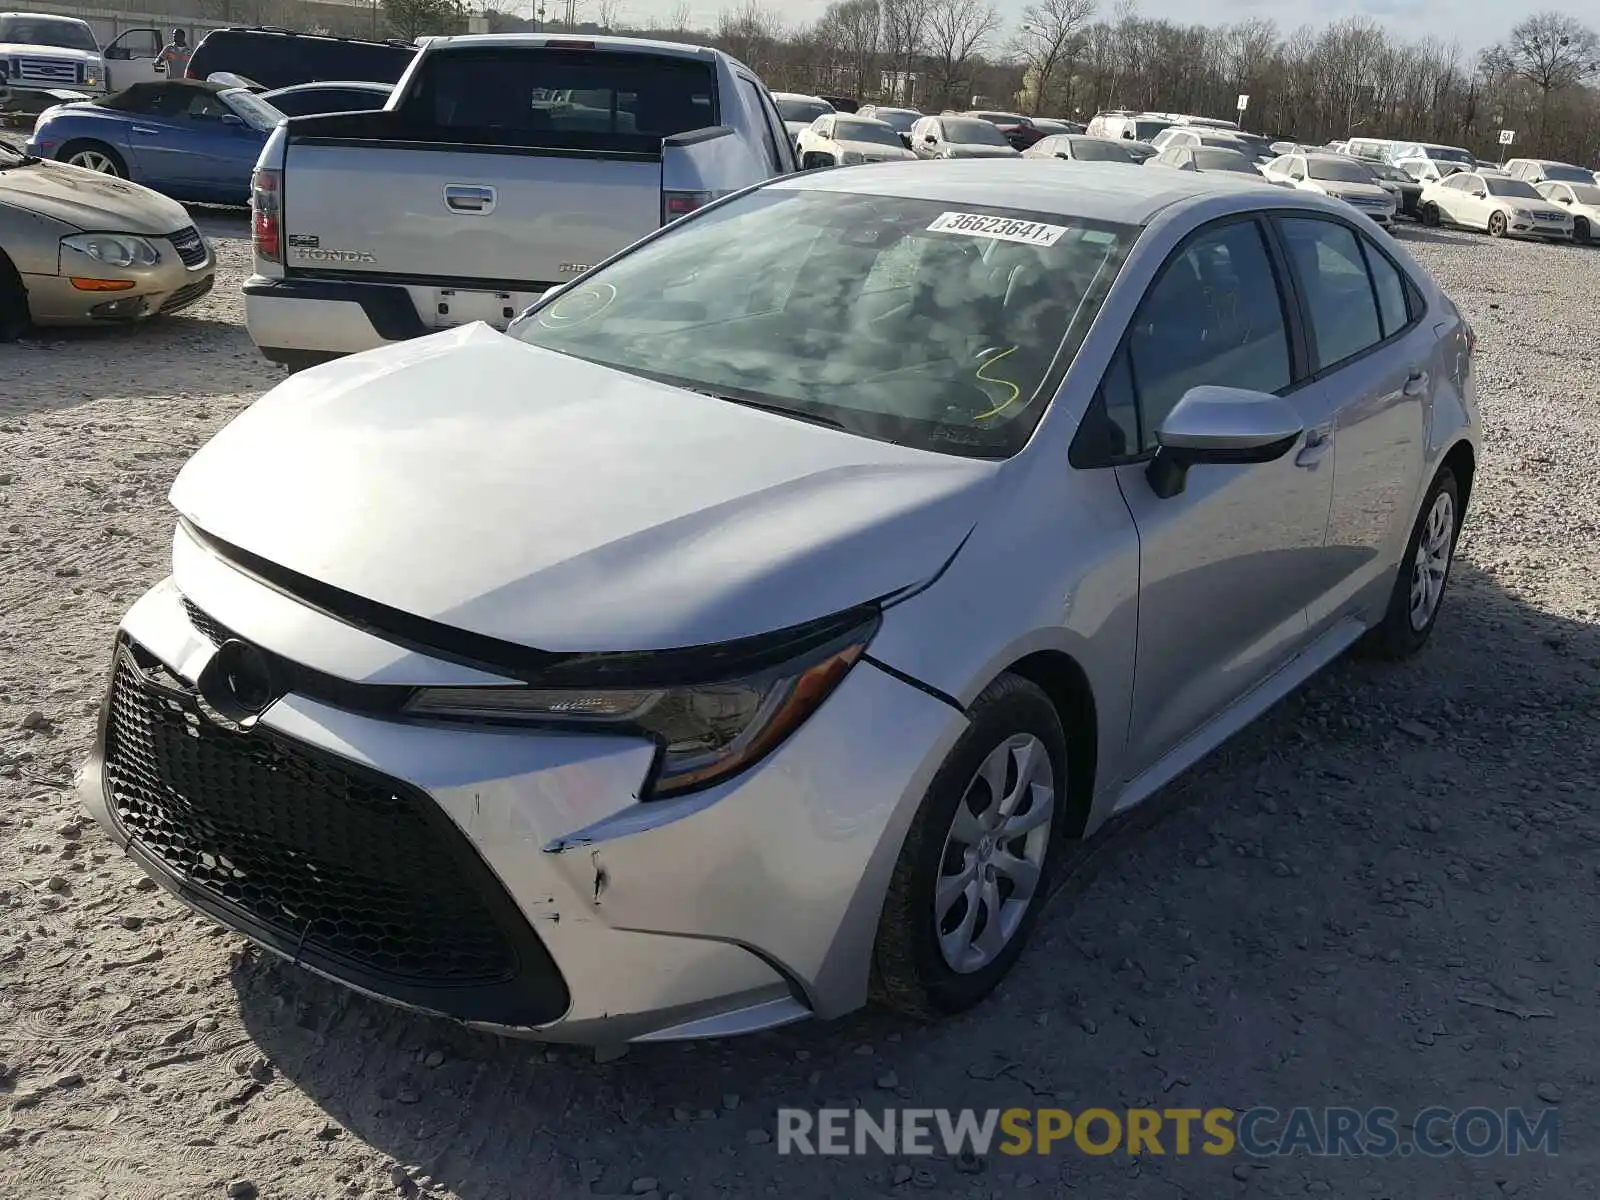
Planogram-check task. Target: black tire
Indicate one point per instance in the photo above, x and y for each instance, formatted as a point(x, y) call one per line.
point(1497, 224)
point(14, 314)
point(909, 972)
point(1397, 636)
point(116, 160)
point(1430, 215)
point(1581, 232)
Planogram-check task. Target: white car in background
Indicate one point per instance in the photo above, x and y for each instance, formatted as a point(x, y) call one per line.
point(1335, 175)
point(1427, 170)
point(1499, 205)
point(1582, 200)
point(842, 140)
point(799, 111)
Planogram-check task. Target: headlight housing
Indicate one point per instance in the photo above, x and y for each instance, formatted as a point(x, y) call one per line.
point(712, 711)
point(1521, 214)
point(852, 158)
point(113, 249)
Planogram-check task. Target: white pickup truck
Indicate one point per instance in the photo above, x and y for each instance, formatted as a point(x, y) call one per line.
point(503, 165)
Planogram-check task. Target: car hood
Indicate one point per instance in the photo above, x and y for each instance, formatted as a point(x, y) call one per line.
point(876, 151)
point(90, 200)
point(1368, 191)
point(471, 479)
point(28, 50)
point(979, 150)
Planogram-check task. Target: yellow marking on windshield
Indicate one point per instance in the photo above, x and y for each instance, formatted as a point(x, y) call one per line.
point(1016, 392)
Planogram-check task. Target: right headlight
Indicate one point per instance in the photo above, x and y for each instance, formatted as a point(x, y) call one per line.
point(735, 704)
point(114, 249)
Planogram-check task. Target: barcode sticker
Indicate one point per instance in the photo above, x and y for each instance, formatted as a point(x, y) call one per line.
point(1005, 229)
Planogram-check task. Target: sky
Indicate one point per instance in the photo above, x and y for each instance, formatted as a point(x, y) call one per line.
point(1473, 24)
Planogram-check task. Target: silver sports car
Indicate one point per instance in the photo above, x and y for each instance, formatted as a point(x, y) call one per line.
point(748, 631)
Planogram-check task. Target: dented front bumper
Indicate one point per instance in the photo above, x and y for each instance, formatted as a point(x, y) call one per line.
point(743, 907)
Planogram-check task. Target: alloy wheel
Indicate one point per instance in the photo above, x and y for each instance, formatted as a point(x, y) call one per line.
point(1432, 562)
point(1497, 224)
point(94, 160)
point(994, 853)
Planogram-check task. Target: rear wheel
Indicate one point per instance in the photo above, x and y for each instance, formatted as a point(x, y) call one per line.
point(14, 315)
point(977, 861)
point(1424, 571)
point(1581, 232)
point(1497, 224)
point(94, 156)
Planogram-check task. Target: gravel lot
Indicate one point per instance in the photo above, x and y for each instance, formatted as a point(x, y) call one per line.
point(1385, 894)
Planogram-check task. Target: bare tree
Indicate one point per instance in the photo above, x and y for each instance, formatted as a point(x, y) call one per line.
point(905, 30)
point(852, 30)
point(958, 31)
point(750, 32)
point(1551, 51)
point(680, 16)
point(1050, 38)
point(610, 14)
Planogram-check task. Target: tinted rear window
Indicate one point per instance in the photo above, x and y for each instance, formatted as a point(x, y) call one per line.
point(278, 60)
point(1096, 150)
point(574, 99)
point(968, 131)
point(801, 110)
point(1566, 173)
point(1222, 160)
point(1143, 131)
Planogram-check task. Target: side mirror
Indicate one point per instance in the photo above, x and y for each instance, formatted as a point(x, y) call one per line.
point(906, 138)
point(931, 139)
point(1128, 134)
point(1062, 154)
point(230, 119)
point(1220, 426)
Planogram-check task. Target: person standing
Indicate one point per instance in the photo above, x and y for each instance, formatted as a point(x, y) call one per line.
point(176, 54)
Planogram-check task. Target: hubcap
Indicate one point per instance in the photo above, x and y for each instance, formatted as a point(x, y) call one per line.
point(1432, 563)
point(93, 160)
point(994, 853)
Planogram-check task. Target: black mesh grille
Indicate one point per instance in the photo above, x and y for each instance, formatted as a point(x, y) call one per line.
point(209, 628)
point(187, 294)
point(191, 247)
point(356, 873)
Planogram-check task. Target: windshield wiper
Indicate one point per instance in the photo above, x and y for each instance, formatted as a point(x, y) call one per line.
point(783, 410)
point(22, 160)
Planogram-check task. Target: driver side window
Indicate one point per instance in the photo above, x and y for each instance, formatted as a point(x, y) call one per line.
point(206, 107)
point(1215, 315)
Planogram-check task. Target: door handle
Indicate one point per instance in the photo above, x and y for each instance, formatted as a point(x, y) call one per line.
point(146, 130)
point(469, 198)
point(1415, 383)
point(1318, 441)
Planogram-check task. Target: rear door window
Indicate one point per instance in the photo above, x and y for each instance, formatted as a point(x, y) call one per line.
point(575, 99)
point(769, 142)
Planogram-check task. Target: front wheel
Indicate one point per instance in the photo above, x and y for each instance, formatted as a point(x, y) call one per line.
point(94, 156)
point(1497, 224)
point(977, 861)
point(14, 313)
point(1424, 571)
point(1581, 232)
point(1430, 215)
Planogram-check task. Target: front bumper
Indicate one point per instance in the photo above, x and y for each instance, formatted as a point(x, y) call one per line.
point(104, 294)
point(747, 906)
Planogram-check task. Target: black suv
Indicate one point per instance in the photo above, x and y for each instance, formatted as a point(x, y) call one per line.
point(278, 58)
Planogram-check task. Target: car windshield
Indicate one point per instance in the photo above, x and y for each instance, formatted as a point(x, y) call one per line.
point(1338, 170)
point(899, 119)
point(1586, 193)
point(41, 31)
point(875, 132)
point(802, 110)
point(969, 131)
point(1222, 160)
point(1566, 173)
point(255, 111)
point(1385, 170)
point(893, 318)
point(995, 118)
point(1143, 131)
point(1098, 150)
point(1501, 185)
point(1448, 154)
point(1220, 142)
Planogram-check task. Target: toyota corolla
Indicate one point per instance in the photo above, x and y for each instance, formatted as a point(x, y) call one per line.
point(750, 630)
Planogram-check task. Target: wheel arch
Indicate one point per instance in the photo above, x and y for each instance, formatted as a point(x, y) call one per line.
point(1063, 679)
point(1463, 463)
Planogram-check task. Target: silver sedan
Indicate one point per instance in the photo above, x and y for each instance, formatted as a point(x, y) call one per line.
point(750, 630)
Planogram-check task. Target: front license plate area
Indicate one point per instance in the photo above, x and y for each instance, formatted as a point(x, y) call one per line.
point(452, 308)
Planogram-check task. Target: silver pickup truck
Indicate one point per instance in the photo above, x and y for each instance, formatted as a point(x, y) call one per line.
point(503, 165)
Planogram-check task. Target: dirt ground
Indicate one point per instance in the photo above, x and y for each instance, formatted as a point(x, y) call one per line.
point(1386, 894)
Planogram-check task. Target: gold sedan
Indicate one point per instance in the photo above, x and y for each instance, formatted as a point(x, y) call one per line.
point(81, 248)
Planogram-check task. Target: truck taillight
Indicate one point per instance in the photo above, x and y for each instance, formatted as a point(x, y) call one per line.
point(266, 214)
point(681, 204)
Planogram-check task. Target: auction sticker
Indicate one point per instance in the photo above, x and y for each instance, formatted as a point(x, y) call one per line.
point(1005, 229)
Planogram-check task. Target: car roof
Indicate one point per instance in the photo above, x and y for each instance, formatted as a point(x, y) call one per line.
point(798, 96)
point(39, 16)
point(535, 41)
point(1100, 192)
point(1321, 156)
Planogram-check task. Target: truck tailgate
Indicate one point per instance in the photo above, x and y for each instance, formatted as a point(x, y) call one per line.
point(523, 217)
